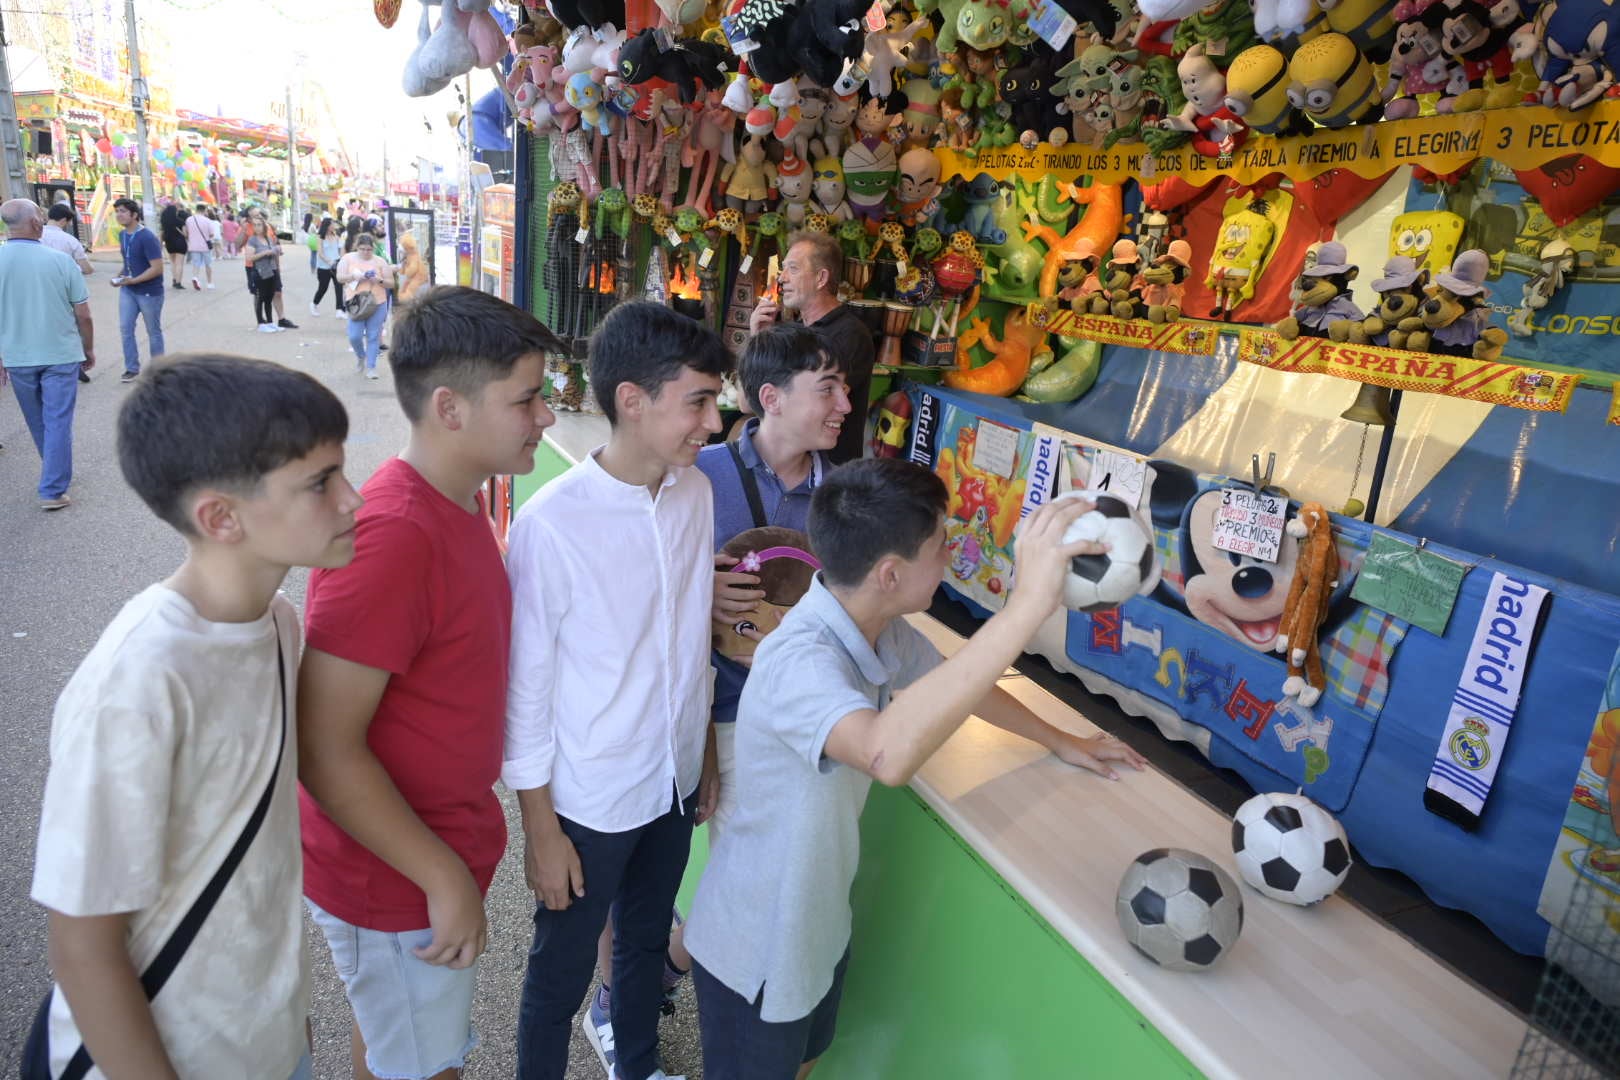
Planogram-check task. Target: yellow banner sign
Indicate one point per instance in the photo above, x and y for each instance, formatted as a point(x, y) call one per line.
point(1490, 381)
point(1523, 137)
point(1190, 338)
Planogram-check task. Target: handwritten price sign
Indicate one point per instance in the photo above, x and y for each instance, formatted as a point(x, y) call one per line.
point(1250, 524)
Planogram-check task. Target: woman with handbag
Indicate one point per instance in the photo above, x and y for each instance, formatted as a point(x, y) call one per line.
point(263, 253)
point(368, 279)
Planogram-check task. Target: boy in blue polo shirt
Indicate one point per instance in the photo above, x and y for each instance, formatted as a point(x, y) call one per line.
point(770, 926)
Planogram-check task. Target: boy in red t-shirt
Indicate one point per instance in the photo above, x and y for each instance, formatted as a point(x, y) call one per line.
point(402, 691)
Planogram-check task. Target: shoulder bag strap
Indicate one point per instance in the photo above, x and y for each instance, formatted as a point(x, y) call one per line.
point(168, 958)
point(750, 486)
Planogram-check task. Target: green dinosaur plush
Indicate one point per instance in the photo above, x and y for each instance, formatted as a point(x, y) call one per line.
point(1228, 27)
point(613, 213)
point(1012, 270)
point(1074, 373)
point(983, 24)
point(1160, 81)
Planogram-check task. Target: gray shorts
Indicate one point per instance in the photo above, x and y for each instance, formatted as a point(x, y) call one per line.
point(415, 1017)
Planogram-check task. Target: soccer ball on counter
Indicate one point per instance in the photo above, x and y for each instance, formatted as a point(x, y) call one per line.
point(1289, 848)
point(1179, 909)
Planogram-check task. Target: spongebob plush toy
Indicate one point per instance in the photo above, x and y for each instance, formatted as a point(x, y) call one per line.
point(1240, 254)
point(1429, 238)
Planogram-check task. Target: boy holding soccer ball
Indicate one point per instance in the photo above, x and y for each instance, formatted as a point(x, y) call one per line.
point(818, 722)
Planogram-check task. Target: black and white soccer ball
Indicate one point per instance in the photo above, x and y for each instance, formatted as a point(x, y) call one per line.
point(1179, 909)
point(1289, 848)
point(1099, 582)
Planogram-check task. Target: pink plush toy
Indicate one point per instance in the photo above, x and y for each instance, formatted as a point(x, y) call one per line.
point(710, 143)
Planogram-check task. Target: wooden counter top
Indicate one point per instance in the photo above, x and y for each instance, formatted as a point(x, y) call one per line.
point(1327, 991)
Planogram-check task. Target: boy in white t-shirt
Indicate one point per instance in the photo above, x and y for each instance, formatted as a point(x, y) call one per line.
point(177, 731)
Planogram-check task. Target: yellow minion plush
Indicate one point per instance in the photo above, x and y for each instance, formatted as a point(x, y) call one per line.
point(1429, 238)
point(1369, 24)
point(1332, 83)
point(1257, 91)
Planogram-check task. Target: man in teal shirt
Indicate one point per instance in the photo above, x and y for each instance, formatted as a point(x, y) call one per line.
point(45, 338)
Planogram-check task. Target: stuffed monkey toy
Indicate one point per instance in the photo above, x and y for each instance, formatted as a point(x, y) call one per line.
point(1316, 574)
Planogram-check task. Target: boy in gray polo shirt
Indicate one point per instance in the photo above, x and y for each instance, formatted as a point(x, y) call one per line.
point(770, 926)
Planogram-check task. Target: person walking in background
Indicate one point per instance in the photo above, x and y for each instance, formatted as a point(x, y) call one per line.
point(45, 337)
point(140, 284)
point(59, 235)
point(264, 255)
point(369, 279)
point(200, 240)
point(172, 223)
point(329, 250)
point(230, 230)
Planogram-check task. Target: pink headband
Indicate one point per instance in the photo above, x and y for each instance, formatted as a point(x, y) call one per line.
point(754, 560)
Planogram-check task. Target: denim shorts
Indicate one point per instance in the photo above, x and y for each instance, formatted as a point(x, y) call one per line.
point(415, 1017)
point(200, 258)
point(739, 1045)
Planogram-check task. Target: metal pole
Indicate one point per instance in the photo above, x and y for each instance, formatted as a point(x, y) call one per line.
point(13, 182)
point(137, 102)
point(1386, 441)
point(292, 163)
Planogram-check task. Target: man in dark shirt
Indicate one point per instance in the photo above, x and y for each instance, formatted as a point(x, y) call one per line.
point(809, 281)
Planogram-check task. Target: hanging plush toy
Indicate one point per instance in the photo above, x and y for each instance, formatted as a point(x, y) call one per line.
point(1417, 64)
point(1316, 575)
point(584, 94)
point(829, 189)
point(870, 172)
point(1026, 88)
point(751, 180)
point(1557, 262)
point(1217, 130)
point(1257, 92)
point(690, 64)
point(1469, 37)
point(887, 50)
point(918, 189)
point(1331, 82)
point(1369, 24)
point(826, 36)
point(1241, 250)
point(1582, 46)
point(793, 185)
point(1430, 238)
point(1324, 296)
point(1113, 298)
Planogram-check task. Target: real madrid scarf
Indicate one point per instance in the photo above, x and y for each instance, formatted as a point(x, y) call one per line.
point(1487, 696)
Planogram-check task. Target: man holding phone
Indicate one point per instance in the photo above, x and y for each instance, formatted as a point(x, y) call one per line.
point(808, 284)
point(140, 280)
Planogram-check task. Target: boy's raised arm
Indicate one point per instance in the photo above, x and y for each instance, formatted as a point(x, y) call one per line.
point(890, 746)
point(90, 957)
point(336, 701)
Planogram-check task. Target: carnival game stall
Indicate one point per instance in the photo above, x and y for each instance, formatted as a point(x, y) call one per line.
point(1313, 301)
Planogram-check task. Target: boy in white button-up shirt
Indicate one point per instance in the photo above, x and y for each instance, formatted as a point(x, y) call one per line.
point(607, 722)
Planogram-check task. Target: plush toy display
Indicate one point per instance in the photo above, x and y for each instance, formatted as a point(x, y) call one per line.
point(1163, 282)
point(1240, 252)
point(1257, 92)
point(1316, 575)
point(413, 269)
point(1401, 292)
point(1455, 319)
point(1332, 82)
point(1324, 296)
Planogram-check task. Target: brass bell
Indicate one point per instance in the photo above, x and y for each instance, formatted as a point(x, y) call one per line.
point(1370, 407)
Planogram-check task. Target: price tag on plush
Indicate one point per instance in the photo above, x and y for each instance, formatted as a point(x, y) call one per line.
point(995, 448)
point(1052, 24)
point(1121, 475)
point(583, 235)
point(1250, 524)
point(706, 258)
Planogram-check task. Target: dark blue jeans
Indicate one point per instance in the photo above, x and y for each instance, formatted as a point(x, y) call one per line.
point(636, 874)
point(739, 1045)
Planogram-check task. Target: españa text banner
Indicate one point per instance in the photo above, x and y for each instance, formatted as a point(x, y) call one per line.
point(1190, 338)
point(1522, 137)
point(1490, 381)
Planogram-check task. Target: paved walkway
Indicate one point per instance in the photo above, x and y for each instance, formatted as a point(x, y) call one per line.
point(64, 575)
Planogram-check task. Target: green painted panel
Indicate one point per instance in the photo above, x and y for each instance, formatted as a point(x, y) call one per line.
point(953, 975)
point(549, 464)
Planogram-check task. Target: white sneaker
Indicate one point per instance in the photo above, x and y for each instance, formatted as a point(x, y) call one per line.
point(196, 282)
point(210, 284)
point(314, 311)
point(371, 373)
point(344, 315)
point(269, 328)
